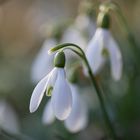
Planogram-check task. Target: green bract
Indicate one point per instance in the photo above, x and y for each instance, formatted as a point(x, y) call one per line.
point(103, 20)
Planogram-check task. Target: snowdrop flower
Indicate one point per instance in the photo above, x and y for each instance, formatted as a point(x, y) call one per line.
point(79, 32)
point(85, 24)
point(83, 27)
point(73, 34)
point(8, 118)
point(54, 83)
point(102, 46)
point(42, 64)
point(78, 118)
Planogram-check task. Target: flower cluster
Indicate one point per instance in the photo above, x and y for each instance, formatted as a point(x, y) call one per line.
point(65, 103)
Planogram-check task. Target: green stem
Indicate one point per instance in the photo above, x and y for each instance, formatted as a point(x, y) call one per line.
point(75, 48)
point(102, 103)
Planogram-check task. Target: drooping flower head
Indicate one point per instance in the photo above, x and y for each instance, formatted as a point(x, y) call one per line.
point(78, 118)
point(56, 85)
point(103, 46)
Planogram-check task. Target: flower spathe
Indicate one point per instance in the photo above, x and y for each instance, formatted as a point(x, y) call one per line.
point(101, 46)
point(61, 100)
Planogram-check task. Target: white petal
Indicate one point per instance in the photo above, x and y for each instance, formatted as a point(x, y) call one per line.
point(78, 117)
point(94, 52)
point(8, 118)
point(73, 35)
point(85, 24)
point(82, 22)
point(48, 115)
point(61, 97)
point(104, 36)
point(52, 78)
point(115, 58)
point(43, 63)
point(37, 94)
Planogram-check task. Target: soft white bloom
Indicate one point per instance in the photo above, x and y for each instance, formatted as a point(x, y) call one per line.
point(48, 114)
point(61, 99)
point(79, 31)
point(43, 63)
point(85, 24)
point(73, 35)
point(8, 118)
point(78, 118)
point(102, 45)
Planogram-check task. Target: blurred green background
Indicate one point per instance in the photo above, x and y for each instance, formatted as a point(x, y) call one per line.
point(21, 39)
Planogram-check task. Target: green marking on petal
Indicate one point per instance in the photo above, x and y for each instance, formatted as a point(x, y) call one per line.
point(105, 52)
point(49, 91)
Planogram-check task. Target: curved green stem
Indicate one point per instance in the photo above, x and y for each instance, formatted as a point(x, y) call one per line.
point(75, 48)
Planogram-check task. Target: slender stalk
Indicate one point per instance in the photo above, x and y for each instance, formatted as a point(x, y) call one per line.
point(101, 100)
point(75, 48)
